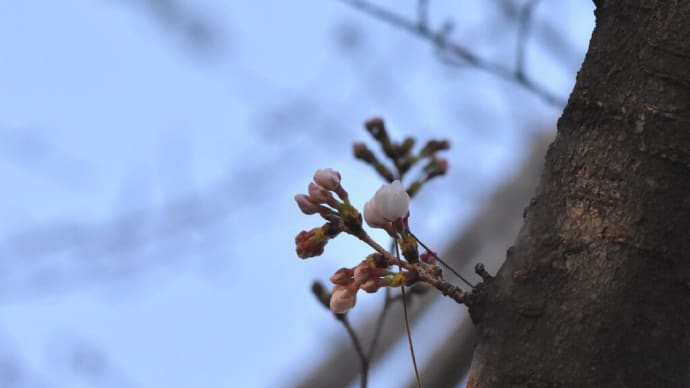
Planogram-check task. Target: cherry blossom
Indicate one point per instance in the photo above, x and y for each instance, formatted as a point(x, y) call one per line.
point(390, 203)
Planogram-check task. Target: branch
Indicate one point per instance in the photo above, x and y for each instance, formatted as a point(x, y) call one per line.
point(524, 24)
point(464, 56)
point(424, 273)
point(363, 358)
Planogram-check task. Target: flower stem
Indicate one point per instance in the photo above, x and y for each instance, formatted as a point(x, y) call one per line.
point(407, 324)
point(441, 261)
point(364, 360)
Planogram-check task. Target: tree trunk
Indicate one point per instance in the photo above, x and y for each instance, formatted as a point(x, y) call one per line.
point(596, 290)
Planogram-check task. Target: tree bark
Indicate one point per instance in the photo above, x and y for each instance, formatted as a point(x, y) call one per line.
point(596, 290)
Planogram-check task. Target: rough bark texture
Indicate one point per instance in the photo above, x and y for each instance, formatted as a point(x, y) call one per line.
point(493, 231)
point(596, 290)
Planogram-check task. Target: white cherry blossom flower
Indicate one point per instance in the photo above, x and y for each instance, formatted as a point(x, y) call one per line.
point(391, 201)
point(372, 216)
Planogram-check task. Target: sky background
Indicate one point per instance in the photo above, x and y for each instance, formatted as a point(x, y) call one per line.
point(150, 151)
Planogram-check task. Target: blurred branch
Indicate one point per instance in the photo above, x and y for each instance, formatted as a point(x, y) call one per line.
point(551, 36)
point(422, 14)
point(462, 55)
point(524, 24)
point(30, 152)
point(387, 301)
point(191, 25)
point(56, 254)
point(92, 365)
point(363, 358)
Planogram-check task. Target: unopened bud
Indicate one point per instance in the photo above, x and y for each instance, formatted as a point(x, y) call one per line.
point(343, 276)
point(428, 257)
point(362, 273)
point(327, 178)
point(377, 129)
point(406, 145)
point(306, 205)
point(310, 243)
point(318, 194)
point(323, 296)
point(436, 167)
point(433, 146)
point(372, 285)
point(343, 298)
point(361, 152)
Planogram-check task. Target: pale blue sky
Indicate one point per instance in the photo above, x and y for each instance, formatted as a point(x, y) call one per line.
point(147, 227)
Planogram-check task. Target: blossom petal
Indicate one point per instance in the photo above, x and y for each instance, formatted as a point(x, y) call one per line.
point(392, 201)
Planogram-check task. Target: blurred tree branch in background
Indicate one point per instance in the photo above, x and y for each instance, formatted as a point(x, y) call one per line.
point(454, 53)
point(193, 26)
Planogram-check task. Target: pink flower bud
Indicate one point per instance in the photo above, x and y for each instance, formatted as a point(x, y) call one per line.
point(306, 205)
point(436, 167)
point(310, 243)
point(343, 276)
point(361, 151)
point(372, 285)
point(362, 273)
point(442, 164)
point(391, 201)
point(318, 194)
point(327, 178)
point(428, 257)
point(434, 146)
point(343, 298)
point(358, 148)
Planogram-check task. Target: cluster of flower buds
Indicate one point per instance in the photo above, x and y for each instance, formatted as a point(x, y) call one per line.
point(388, 209)
point(402, 156)
point(369, 275)
point(337, 211)
point(326, 182)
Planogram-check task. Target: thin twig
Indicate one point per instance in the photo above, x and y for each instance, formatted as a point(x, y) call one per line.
point(440, 40)
point(524, 24)
point(441, 261)
point(364, 361)
point(425, 274)
point(379, 324)
point(423, 14)
point(407, 324)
